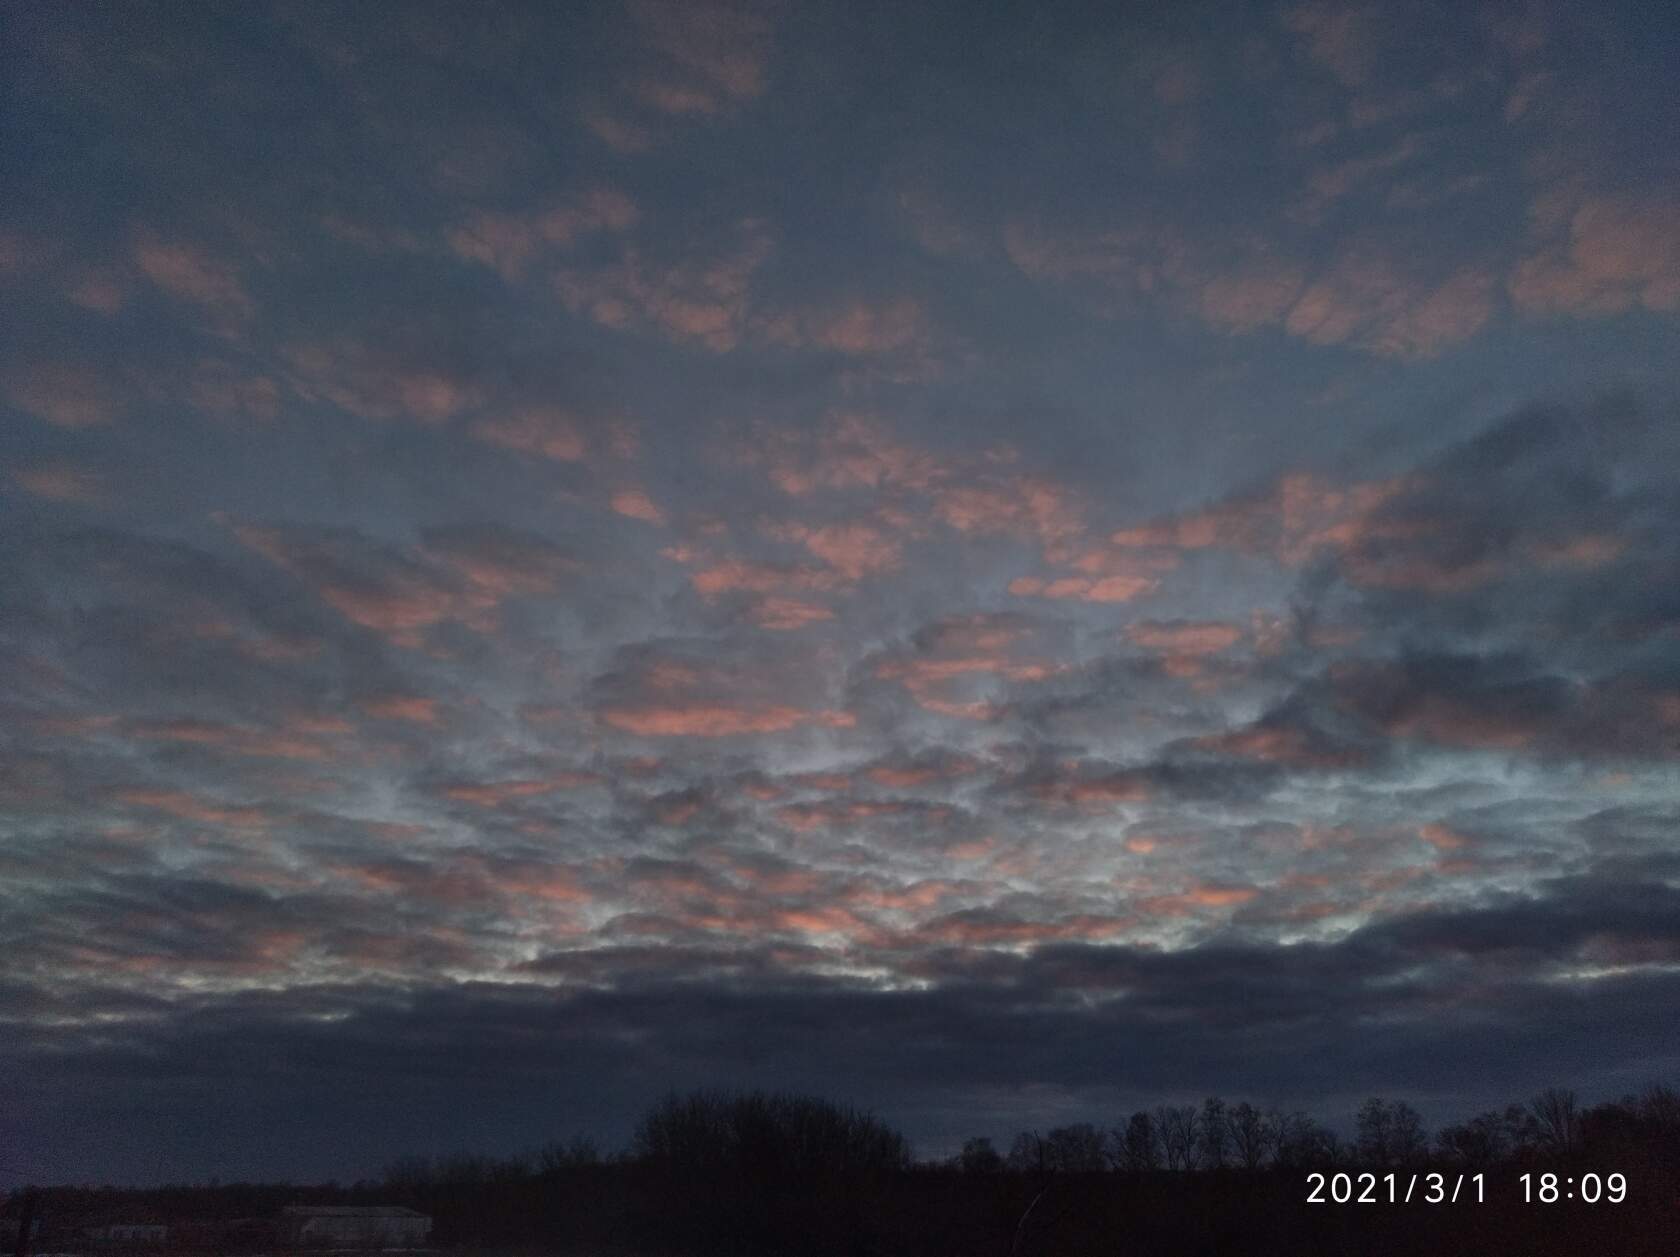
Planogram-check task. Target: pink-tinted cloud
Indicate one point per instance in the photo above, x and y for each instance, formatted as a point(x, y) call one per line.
point(375, 384)
point(852, 452)
point(856, 327)
point(62, 482)
point(636, 504)
point(1340, 37)
point(1256, 293)
point(509, 243)
point(718, 720)
point(1372, 302)
point(704, 301)
point(410, 708)
point(1616, 252)
point(1184, 637)
point(223, 391)
point(67, 395)
point(788, 614)
point(99, 289)
point(701, 56)
point(855, 550)
point(188, 807)
point(535, 430)
point(458, 576)
point(300, 738)
point(190, 273)
point(495, 794)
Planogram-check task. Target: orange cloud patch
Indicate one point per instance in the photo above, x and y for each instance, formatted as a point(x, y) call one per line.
point(853, 452)
point(928, 679)
point(787, 614)
point(977, 930)
point(458, 575)
point(1196, 900)
point(1084, 588)
point(508, 243)
point(61, 482)
point(64, 394)
point(1442, 838)
point(1025, 506)
point(854, 550)
point(374, 385)
point(1256, 294)
point(1618, 252)
point(1298, 517)
point(1075, 786)
point(189, 273)
point(1370, 301)
point(705, 301)
point(1589, 550)
point(535, 430)
point(636, 504)
point(806, 817)
point(1278, 744)
point(859, 327)
point(99, 290)
point(301, 740)
point(718, 720)
point(699, 56)
point(191, 808)
point(1184, 637)
point(494, 794)
point(420, 711)
point(221, 391)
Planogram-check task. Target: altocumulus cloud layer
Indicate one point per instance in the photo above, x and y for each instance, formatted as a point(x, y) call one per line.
point(996, 566)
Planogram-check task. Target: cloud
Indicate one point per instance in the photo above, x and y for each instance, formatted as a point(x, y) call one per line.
point(542, 431)
point(1616, 253)
point(509, 243)
point(657, 692)
point(700, 58)
point(67, 395)
point(636, 504)
point(190, 273)
point(856, 327)
point(62, 482)
point(1367, 300)
point(1341, 38)
point(1366, 297)
point(462, 574)
point(704, 301)
point(381, 384)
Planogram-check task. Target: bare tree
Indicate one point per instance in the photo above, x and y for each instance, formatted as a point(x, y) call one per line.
point(555, 1157)
point(1481, 1141)
point(1558, 1118)
point(1215, 1136)
point(1251, 1135)
point(979, 1157)
point(1139, 1144)
point(1076, 1149)
point(1029, 1152)
point(1299, 1141)
point(1180, 1128)
point(1375, 1123)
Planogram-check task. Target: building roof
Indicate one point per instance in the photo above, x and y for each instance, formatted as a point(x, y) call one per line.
point(350, 1211)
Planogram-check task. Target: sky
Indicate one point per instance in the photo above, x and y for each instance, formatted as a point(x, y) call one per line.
point(996, 563)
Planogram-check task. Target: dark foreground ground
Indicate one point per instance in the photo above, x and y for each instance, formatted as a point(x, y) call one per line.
point(620, 1210)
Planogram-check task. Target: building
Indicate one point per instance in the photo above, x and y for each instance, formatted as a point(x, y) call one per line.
point(353, 1226)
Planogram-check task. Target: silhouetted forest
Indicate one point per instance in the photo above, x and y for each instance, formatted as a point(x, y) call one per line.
point(760, 1173)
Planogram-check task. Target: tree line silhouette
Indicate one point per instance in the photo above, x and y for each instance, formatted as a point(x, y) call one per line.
point(770, 1173)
